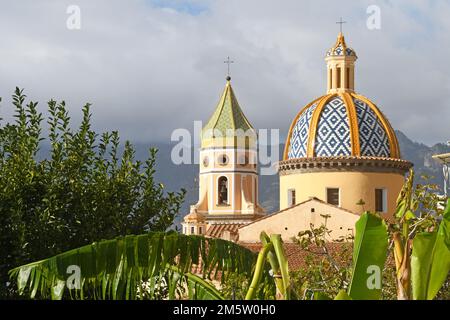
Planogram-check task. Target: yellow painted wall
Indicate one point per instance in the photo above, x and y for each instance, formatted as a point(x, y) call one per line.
point(298, 218)
point(353, 186)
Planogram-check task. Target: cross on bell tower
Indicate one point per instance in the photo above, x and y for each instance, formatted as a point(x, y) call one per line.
point(228, 62)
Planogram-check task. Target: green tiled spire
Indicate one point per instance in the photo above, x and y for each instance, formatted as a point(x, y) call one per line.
point(228, 114)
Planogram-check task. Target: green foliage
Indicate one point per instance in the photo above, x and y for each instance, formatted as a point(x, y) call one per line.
point(118, 269)
point(327, 278)
point(235, 287)
point(343, 295)
point(325, 272)
point(272, 253)
point(369, 256)
point(85, 191)
point(421, 236)
point(430, 261)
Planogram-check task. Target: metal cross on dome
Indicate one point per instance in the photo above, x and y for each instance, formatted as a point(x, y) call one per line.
point(341, 22)
point(228, 62)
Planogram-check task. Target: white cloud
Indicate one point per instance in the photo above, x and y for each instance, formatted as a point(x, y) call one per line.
point(151, 68)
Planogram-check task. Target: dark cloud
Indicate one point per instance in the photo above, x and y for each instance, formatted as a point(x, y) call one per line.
point(149, 68)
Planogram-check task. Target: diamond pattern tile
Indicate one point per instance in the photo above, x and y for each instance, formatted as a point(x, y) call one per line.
point(373, 139)
point(333, 131)
point(300, 134)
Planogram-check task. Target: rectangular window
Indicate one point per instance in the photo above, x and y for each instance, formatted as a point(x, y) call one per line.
point(192, 230)
point(380, 200)
point(333, 196)
point(200, 230)
point(338, 77)
point(291, 197)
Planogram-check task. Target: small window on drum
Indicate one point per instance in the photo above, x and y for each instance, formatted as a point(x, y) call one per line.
point(223, 160)
point(291, 197)
point(333, 196)
point(381, 200)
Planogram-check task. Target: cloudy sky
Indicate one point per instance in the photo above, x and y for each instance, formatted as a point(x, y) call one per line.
point(151, 66)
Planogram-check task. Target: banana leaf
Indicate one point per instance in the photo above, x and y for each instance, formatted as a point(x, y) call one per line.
point(342, 295)
point(322, 296)
point(369, 256)
point(115, 269)
point(430, 260)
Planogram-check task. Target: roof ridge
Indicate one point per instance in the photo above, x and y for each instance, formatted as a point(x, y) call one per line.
point(296, 205)
point(238, 107)
point(231, 94)
point(212, 122)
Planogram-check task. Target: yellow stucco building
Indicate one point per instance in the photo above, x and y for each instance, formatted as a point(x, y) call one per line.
point(341, 148)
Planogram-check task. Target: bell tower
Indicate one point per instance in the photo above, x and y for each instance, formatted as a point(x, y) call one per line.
point(340, 67)
point(228, 177)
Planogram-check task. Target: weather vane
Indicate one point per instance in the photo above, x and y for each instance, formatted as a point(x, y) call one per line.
point(341, 22)
point(228, 62)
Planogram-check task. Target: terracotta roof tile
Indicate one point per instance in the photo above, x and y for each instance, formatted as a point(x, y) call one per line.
point(296, 255)
point(217, 230)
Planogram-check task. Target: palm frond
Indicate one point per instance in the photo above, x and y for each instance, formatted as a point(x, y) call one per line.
point(115, 269)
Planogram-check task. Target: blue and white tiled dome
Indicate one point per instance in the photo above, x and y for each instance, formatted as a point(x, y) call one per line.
point(340, 125)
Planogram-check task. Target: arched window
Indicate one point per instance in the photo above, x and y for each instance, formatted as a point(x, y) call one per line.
point(223, 191)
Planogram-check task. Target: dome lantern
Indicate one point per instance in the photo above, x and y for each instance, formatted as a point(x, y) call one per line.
point(340, 67)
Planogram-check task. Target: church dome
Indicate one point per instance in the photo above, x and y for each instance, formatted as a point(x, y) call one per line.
point(341, 148)
point(341, 124)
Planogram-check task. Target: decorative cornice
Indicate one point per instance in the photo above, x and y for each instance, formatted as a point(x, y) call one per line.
point(343, 164)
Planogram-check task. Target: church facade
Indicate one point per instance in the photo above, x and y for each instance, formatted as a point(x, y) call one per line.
point(341, 158)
